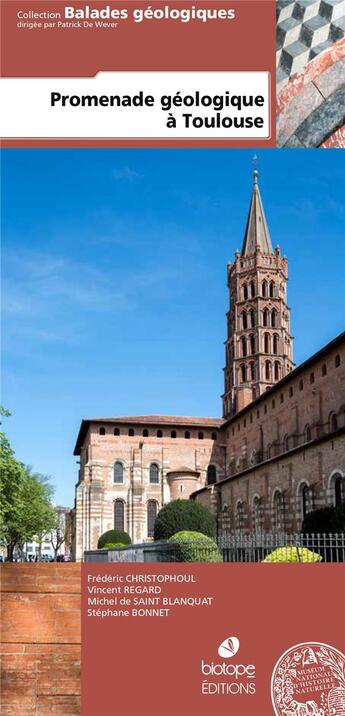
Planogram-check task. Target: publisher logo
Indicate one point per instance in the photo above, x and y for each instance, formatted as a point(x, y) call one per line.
point(309, 679)
point(222, 677)
point(229, 647)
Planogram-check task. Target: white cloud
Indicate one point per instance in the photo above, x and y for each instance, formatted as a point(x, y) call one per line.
point(124, 174)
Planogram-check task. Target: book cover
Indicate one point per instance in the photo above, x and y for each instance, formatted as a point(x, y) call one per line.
point(172, 490)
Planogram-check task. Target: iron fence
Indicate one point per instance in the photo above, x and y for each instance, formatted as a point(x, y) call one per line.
point(233, 548)
point(292, 547)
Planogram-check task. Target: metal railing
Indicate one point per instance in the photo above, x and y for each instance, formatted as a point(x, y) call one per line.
point(233, 548)
point(256, 547)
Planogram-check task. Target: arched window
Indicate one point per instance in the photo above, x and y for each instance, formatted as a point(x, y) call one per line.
point(152, 509)
point(276, 370)
point(252, 344)
point(244, 320)
point(257, 514)
point(211, 474)
point(275, 343)
point(267, 370)
point(252, 318)
point(154, 473)
point(265, 317)
point(245, 291)
point(337, 361)
point(244, 346)
point(145, 433)
point(119, 515)
point(274, 318)
point(252, 289)
point(173, 434)
point(214, 436)
point(102, 431)
point(267, 343)
point(117, 431)
point(200, 436)
point(272, 289)
point(159, 434)
point(225, 519)
point(307, 433)
point(278, 511)
point(252, 371)
point(187, 435)
point(339, 492)
point(264, 289)
point(324, 369)
point(118, 473)
point(243, 373)
point(240, 516)
point(333, 423)
point(305, 508)
point(285, 443)
point(131, 432)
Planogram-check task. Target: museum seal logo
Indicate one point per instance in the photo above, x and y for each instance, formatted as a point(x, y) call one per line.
point(229, 647)
point(309, 680)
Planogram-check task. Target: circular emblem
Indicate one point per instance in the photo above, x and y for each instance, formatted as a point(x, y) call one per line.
point(309, 680)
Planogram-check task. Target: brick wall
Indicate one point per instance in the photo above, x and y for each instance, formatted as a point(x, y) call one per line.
point(307, 398)
point(40, 639)
point(96, 492)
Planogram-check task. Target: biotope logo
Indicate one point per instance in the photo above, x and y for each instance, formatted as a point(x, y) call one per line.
point(236, 678)
point(229, 647)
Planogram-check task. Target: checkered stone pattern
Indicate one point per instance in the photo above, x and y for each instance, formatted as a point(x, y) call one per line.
point(305, 28)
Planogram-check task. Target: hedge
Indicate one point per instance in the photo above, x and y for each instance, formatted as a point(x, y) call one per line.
point(325, 520)
point(113, 537)
point(292, 554)
point(195, 547)
point(182, 515)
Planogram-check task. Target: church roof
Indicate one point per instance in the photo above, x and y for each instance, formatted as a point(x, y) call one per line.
point(256, 233)
point(156, 420)
point(183, 469)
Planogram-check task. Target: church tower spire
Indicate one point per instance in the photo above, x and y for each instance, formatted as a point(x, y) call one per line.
point(259, 344)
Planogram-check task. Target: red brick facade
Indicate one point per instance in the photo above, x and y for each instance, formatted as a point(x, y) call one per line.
point(285, 452)
point(40, 639)
point(130, 467)
point(258, 349)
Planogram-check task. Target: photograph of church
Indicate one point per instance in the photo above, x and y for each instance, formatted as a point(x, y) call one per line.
point(276, 453)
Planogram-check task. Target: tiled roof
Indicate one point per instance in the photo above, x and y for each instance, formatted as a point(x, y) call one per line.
point(157, 420)
point(183, 469)
point(161, 420)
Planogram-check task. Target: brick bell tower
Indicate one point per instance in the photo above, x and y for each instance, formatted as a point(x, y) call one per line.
point(259, 343)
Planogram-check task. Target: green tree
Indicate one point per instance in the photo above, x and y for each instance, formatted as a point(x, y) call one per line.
point(326, 520)
point(182, 515)
point(25, 500)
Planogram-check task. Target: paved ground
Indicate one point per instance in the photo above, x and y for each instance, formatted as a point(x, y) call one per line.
point(305, 28)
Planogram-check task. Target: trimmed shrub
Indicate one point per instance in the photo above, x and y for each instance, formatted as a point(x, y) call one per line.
point(184, 515)
point(109, 545)
point(195, 547)
point(292, 554)
point(326, 520)
point(114, 537)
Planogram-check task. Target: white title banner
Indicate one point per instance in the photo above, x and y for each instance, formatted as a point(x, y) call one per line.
point(199, 105)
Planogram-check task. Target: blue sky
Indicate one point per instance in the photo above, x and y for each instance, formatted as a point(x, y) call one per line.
point(114, 276)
